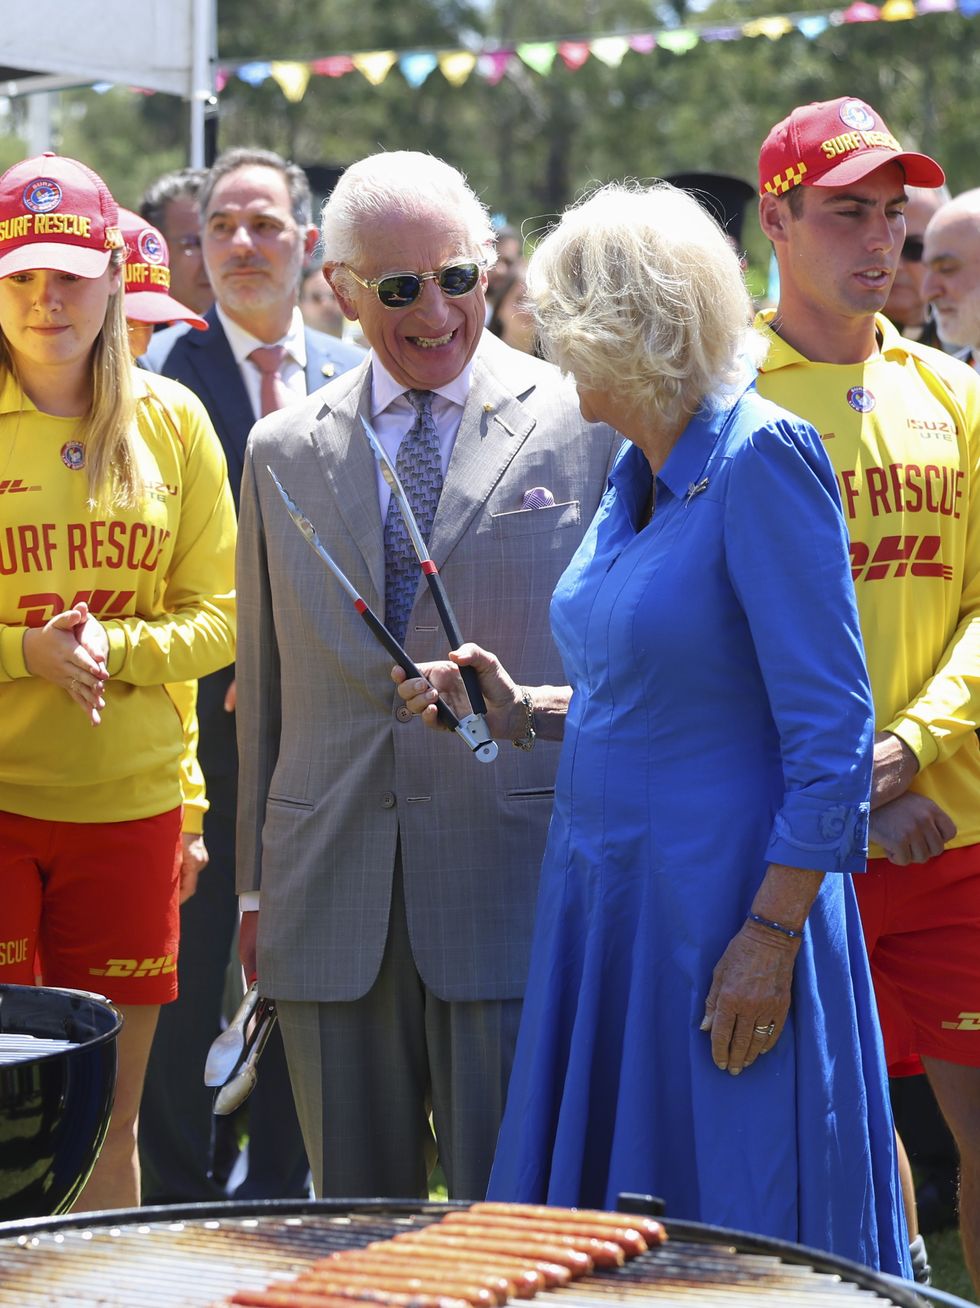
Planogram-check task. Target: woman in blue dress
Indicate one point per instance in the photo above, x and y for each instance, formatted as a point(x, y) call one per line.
point(699, 1021)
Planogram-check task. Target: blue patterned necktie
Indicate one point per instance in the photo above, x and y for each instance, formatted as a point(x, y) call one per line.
point(419, 466)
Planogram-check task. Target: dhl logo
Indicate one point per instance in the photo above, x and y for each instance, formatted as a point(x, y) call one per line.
point(966, 1022)
point(914, 555)
point(15, 486)
point(132, 967)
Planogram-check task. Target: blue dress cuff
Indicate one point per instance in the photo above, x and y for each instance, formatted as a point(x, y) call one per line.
point(812, 833)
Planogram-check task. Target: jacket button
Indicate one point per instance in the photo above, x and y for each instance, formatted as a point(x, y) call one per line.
point(403, 713)
point(388, 799)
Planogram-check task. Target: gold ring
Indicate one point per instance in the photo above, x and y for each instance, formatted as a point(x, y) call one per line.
point(74, 685)
point(765, 1030)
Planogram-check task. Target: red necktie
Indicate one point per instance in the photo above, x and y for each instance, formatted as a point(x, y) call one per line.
point(274, 393)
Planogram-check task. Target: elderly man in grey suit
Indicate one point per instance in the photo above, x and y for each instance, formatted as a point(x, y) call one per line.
point(389, 881)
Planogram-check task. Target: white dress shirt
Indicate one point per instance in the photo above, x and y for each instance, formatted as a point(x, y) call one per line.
point(293, 369)
point(393, 416)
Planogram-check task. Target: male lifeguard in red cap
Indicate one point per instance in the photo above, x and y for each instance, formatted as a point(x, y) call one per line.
point(901, 423)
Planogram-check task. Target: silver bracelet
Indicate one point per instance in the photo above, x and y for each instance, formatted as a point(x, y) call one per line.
point(526, 742)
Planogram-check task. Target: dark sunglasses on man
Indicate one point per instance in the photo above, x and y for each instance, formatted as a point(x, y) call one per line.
point(912, 249)
point(399, 290)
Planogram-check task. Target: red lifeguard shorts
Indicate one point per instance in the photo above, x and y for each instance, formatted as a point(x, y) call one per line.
point(922, 928)
point(96, 902)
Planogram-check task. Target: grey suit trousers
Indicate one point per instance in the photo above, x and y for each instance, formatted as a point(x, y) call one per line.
point(367, 1072)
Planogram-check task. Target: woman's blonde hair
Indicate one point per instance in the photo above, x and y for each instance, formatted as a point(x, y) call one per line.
point(638, 291)
point(108, 430)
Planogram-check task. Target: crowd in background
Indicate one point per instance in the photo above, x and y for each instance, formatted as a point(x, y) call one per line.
point(221, 278)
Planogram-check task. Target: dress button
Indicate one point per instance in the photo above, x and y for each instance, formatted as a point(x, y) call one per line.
point(388, 799)
point(403, 713)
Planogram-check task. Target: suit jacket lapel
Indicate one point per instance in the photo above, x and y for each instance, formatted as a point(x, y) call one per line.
point(348, 466)
point(494, 426)
point(219, 384)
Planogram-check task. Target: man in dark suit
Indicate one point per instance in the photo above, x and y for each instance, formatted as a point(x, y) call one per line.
point(256, 356)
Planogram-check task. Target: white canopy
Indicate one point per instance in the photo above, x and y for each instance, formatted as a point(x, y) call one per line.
point(160, 45)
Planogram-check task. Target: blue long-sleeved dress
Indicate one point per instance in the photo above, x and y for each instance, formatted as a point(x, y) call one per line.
point(720, 720)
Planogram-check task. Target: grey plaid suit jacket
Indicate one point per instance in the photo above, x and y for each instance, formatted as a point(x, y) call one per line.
point(330, 772)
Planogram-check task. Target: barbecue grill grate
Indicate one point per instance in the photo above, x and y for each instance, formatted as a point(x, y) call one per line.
point(197, 1256)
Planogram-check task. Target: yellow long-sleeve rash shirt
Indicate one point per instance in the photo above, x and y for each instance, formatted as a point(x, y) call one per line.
point(160, 578)
point(903, 433)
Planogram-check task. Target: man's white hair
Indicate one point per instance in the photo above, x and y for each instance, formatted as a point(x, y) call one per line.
point(409, 184)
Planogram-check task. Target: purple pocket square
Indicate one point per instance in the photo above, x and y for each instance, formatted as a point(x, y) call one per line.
point(538, 497)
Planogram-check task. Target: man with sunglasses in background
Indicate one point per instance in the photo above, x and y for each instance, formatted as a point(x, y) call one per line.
point(388, 876)
point(906, 305)
point(255, 231)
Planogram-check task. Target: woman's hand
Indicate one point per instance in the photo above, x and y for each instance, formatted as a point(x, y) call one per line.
point(750, 992)
point(71, 651)
point(505, 708)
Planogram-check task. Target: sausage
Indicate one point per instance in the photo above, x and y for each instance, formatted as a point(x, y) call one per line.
point(604, 1253)
point(522, 1281)
point(628, 1238)
point(286, 1296)
point(553, 1274)
point(339, 1278)
point(651, 1230)
point(400, 1260)
point(508, 1242)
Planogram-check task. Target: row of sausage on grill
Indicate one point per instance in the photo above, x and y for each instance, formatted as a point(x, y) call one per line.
point(479, 1257)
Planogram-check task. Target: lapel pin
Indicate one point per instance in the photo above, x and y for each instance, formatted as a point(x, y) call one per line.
point(695, 488)
point(488, 408)
point(509, 430)
point(328, 369)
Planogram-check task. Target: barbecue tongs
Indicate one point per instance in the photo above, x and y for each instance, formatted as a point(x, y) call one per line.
point(232, 1062)
point(472, 729)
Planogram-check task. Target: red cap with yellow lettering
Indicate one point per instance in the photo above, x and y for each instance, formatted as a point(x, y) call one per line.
point(56, 213)
point(833, 143)
point(147, 272)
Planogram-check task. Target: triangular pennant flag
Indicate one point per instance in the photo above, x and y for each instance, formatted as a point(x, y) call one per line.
point(221, 76)
point(255, 74)
point(774, 27)
point(610, 50)
point(456, 66)
point(678, 41)
point(573, 53)
point(896, 11)
point(643, 42)
point(333, 66)
point(416, 66)
point(860, 12)
point(375, 65)
point(812, 25)
point(293, 79)
point(936, 6)
point(721, 33)
point(539, 55)
point(970, 7)
point(493, 64)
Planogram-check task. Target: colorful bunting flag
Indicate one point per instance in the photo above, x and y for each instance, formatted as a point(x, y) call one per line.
point(375, 66)
point(416, 66)
point(539, 55)
point(292, 78)
point(457, 66)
